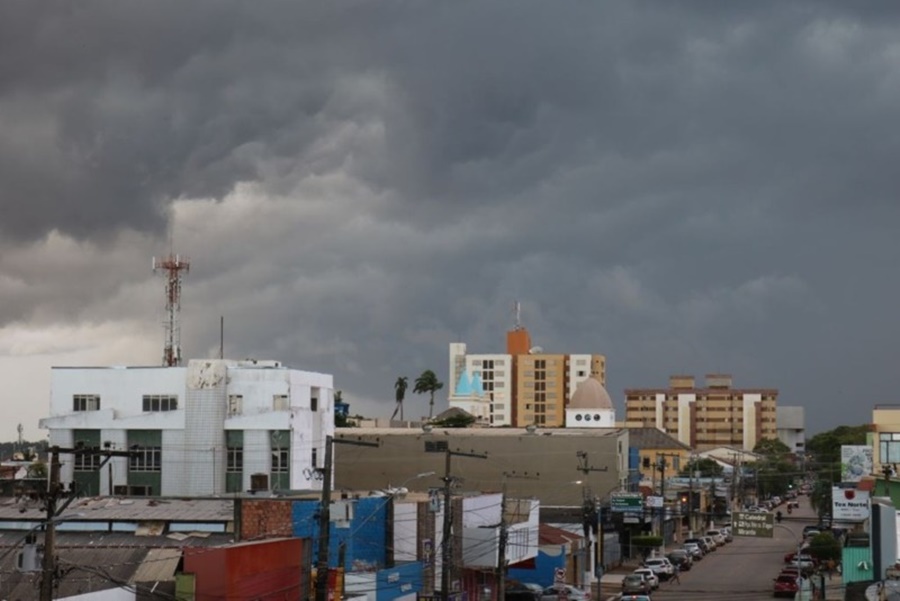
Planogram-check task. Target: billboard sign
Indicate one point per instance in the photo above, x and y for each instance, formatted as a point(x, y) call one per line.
point(849, 504)
point(756, 524)
point(856, 462)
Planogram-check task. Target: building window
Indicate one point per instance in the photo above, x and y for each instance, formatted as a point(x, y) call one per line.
point(280, 403)
point(280, 461)
point(314, 459)
point(314, 400)
point(889, 447)
point(581, 373)
point(160, 402)
point(235, 404)
point(281, 455)
point(235, 460)
point(145, 459)
point(86, 402)
point(234, 451)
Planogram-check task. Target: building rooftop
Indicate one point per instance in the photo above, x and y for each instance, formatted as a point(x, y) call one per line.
point(590, 394)
point(653, 438)
point(437, 433)
point(129, 509)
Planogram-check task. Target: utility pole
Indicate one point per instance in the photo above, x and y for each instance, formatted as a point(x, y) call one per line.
point(661, 465)
point(504, 534)
point(51, 498)
point(692, 464)
point(447, 548)
point(325, 513)
point(589, 509)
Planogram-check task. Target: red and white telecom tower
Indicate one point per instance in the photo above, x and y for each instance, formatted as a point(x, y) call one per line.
point(172, 265)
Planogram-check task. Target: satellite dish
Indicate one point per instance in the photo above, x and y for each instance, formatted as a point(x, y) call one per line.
point(535, 350)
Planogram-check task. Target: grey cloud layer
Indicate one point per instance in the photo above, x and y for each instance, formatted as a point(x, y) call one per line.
point(685, 186)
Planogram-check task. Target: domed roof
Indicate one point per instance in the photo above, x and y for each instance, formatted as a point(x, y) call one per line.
point(590, 394)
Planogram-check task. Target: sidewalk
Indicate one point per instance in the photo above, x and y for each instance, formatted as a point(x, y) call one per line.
point(610, 584)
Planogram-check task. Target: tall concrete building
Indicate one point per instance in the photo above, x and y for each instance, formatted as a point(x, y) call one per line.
point(521, 387)
point(705, 417)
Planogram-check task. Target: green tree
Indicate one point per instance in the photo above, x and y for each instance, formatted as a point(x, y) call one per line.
point(428, 383)
point(456, 421)
point(820, 497)
point(708, 468)
point(37, 469)
point(824, 547)
point(826, 446)
point(400, 387)
point(772, 447)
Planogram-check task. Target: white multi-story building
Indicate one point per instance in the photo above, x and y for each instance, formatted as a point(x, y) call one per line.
point(492, 401)
point(211, 427)
point(792, 427)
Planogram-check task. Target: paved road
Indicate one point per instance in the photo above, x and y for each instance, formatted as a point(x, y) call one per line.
point(743, 569)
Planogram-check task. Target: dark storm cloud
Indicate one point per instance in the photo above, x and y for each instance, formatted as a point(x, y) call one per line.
point(684, 186)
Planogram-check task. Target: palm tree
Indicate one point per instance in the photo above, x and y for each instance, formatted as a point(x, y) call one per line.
point(428, 382)
point(400, 387)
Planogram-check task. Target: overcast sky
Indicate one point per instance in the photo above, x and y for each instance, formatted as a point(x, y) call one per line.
point(685, 187)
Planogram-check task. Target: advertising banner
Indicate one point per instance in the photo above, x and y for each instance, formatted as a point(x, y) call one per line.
point(849, 504)
point(856, 462)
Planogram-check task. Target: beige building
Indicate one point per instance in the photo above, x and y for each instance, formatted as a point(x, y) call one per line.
point(886, 436)
point(704, 417)
point(557, 467)
point(521, 387)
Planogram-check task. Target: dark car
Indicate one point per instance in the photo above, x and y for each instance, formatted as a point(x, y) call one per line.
point(518, 591)
point(635, 583)
point(681, 559)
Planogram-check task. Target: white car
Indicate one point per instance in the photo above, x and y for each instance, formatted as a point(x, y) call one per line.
point(649, 576)
point(661, 566)
point(717, 536)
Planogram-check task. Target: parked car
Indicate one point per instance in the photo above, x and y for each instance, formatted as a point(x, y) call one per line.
point(717, 536)
point(681, 558)
point(523, 591)
point(635, 583)
point(661, 566)
point(711, 542)
point(635, 598)
point(572, 593)
point(701, 543)
point(651, 578)
point(784, 585)
point(694, 549)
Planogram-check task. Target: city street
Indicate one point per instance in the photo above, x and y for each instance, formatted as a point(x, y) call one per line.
point(743, 569)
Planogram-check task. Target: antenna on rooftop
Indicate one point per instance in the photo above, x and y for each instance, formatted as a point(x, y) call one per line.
point(172, 265)
point(517, 313)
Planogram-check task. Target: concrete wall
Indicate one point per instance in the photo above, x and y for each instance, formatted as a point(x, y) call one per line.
point(547, 456)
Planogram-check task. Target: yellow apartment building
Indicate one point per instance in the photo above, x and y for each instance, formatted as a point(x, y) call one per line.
point(714, 415)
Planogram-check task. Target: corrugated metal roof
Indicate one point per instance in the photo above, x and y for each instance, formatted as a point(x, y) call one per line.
point(127, 510)
point(159, 564)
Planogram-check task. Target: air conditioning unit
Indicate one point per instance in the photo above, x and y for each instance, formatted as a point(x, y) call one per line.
point(30, 558)
point(259, 482)
point(342, 511)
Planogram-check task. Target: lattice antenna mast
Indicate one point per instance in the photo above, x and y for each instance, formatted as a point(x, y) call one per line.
point(172, 266)
point(517, 314)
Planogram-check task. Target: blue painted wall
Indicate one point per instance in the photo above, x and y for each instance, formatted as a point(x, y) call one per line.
point(398, 581)
point(544, 568)
point(365, 536)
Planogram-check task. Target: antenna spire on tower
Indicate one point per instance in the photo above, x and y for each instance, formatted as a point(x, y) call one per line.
point(517, 312)
point(172, 265)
